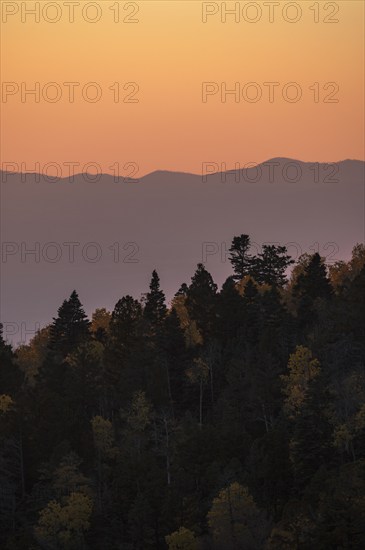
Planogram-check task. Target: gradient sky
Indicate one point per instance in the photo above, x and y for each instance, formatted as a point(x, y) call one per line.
point(169, 53)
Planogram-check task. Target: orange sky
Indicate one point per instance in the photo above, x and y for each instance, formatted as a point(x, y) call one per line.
point(169, 53)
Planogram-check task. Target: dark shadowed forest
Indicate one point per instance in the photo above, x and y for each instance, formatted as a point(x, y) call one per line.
point(233, 418)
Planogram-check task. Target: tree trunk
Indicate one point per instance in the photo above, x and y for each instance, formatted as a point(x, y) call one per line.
point(201, 405)
point(169, 388)
point(265, 418)
point(22, 476)
point(168, 473)
point(211, 382)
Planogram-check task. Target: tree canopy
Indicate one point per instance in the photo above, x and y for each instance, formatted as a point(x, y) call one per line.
point(232, 418)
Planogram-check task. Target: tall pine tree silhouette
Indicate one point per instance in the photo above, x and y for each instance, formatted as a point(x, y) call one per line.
point(155, 309)
point(313, 282)
point(10, 375)
point(70, 328)
point(240, 258)
point(201, 299)
point(229, 311)
point(269, 267)
point(125, 323)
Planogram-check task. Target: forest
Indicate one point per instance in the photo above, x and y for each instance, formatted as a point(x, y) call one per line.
point(230, 418)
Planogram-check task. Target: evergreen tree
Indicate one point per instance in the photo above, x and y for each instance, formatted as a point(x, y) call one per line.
point(270, 266)
point(131, 428)
point(276, 331)
point(155, 308)
point(5, 349)
point(240, 258)
point(230, 312)
point(313, 281)
point(11, 377)
point(201, 300)
point(123, 345)
point(250, 290)
point(183, 290)
point(125, 321)
point(355, 306)
point(70, 328)
point(251, 312)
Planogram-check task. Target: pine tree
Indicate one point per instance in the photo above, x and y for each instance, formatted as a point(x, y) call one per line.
point(270, 266)
point(183, 290)
point(155, 308)
point(125, 321)
point(355, 299)
point(124, 348)
point(250, 290)
point(70, 328)
point(229, 312)
point(251, 314)
point(201, 300)
point(5, 349)
point(58, 414)
point(11, 377)
point(313, 281)
point(276, 329)
point(240, 258)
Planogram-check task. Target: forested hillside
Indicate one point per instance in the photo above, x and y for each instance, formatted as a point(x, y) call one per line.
point(233, 418)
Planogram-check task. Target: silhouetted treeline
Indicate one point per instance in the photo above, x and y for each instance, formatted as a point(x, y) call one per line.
point(229, 419)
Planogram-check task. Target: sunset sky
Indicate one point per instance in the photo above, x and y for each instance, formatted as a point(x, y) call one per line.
point(169, 53)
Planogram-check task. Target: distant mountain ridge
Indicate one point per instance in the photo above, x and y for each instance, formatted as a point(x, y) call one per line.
point(249, 168)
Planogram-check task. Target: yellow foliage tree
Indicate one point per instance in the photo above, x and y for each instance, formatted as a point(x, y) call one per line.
point(291, 532)
point(182, 539)
point(241, 285)
point(68, 478)
point(348, 415)
point(358, 259)
point(339, 273)
point(6, 403)
point(137, 422)
point(100, 319)
point(103, 434)
point(189, 326)
point(64, 527)
point(302, 370)
point(29, 357)
point(235, 521)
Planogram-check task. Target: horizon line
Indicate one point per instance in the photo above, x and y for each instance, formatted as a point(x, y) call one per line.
point(182, 172)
